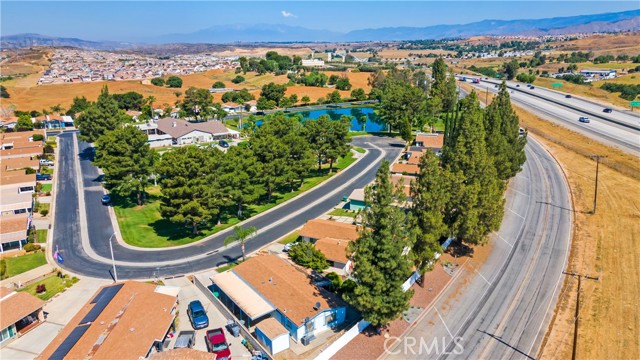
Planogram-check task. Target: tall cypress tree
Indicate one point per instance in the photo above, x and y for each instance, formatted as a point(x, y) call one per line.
point(478, 207)
point(380, 268)
point(430, 194)
point(504, 143)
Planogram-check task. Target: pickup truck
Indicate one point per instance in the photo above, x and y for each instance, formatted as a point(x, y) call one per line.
point(185, 339)
point(217, 344)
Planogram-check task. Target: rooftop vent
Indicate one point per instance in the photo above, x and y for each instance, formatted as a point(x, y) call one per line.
point(317, 306)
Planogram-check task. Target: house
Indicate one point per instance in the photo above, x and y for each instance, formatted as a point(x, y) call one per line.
point(405, 169)
point(335, 250)
point(184, 133)
point(20, 311)
point(433, 141)
point(312, 62)
point(404, 182)
point(268, 287)
point(252, 105)
point(13, 231)
point(183, 354)
point(356, 200)
point(232, 107)
point(134, 114)
point(19, 163)
point(598, 74)
point(317, 229)
point(16, 190)
point(126, 320)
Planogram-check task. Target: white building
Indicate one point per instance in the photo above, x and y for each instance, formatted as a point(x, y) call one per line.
point(313, 63)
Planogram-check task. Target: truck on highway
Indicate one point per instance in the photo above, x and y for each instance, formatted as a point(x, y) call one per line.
point(476, 80)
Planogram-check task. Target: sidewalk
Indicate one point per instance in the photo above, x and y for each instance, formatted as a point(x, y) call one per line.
point(27, 276)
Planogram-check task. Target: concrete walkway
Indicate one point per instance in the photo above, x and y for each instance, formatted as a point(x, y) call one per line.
point(27, 276)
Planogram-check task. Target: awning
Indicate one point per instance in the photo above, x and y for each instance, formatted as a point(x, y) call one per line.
point(243, 295)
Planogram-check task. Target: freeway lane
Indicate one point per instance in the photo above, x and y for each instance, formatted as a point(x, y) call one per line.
point(500, 309)
point(88, 253)
point(622, 137)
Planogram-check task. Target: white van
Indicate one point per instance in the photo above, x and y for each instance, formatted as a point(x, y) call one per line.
point(46, 162)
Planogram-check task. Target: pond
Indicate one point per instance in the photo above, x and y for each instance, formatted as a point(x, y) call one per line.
point(372, 124)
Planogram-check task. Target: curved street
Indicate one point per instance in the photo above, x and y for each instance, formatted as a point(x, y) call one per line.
point(85, 248)
point(501, 308)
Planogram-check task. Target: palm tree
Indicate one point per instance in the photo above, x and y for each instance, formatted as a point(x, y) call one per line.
point(241, 234)
point(150, 100)
point(57, 109)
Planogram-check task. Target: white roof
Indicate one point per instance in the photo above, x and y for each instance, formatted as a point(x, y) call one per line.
point(243, 295)
point(159, 137)
point(357, 194)
point(168, 290)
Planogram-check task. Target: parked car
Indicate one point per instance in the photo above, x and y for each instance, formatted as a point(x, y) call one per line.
point(106, 199)
point(217, 344)
point(532, 87)
point(568, 96)
point(584, 119)
point(287, 247)
point(521, 132)
point(197, 315)
point(607, 110)
point(223, 144)
point(41, 177)
point(185, 339)
point(46, 162)
point(517, 85)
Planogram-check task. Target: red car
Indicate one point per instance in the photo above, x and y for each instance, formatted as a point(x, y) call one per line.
point(217, 344)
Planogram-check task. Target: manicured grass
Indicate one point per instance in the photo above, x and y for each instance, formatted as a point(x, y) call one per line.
point(290, 238)
point(44, 206)
point(143, 226)
point(41, 236)
point(359, 149)
point(53, 284)
point(19, 264)
point(343, 212)
point(46, 188)
point(227, 267)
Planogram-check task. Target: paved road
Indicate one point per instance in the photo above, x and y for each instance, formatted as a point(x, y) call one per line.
point(502, 308)
point(87, 252)
point(618, 129)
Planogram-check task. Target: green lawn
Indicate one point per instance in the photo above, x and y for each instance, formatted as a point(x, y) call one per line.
point(53, 284)
point(290, 238)
point(19, 264)
point(359, 149)
point(343, 212)
point(46, 188)
point(43, 206)
point(144, 227)
point(41, 236)
point(222, 269)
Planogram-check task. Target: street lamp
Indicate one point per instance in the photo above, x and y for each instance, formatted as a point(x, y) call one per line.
point(113, 261)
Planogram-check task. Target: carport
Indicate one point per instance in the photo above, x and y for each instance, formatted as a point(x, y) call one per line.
point(240, 298)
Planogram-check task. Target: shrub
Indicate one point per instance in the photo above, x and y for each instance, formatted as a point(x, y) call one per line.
point(305, 254)
point(157, 81)
point(3, 268)
point(44, 212)
point(336, 281)
point(41, 288)
point(218, 85)
point(38, 137)
point(48, 149)
point(238, 79)
point(31, 247)
point(174, 82)
point(348, 286)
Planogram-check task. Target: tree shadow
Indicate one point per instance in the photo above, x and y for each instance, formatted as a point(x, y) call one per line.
point(88, 153)
point(458, 249)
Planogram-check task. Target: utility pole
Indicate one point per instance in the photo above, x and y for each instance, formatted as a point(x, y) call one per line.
point(577, 313)
point(595, 195)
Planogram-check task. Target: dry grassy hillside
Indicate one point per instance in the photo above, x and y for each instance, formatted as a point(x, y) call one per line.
point(614, 44)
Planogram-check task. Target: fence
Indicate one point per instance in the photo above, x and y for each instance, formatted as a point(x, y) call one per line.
point(243, 330)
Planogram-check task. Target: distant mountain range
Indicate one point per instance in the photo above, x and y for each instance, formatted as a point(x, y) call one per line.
point(257, 33)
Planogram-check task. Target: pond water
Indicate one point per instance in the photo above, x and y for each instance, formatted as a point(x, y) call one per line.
point(373, 123)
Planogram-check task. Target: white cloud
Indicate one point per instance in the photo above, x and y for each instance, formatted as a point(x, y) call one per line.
point(285, 13)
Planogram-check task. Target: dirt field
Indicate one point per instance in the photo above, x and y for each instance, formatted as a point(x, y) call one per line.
point(396, 53)
point(262, 51)
point(604, 245)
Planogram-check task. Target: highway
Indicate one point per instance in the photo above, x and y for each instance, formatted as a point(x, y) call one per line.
point(619, 129)
point(501, 308)
point(82, 228)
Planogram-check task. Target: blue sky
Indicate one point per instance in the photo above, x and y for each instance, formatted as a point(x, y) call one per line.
point(133, 20)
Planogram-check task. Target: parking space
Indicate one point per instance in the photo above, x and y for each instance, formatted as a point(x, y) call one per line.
point(188, 293)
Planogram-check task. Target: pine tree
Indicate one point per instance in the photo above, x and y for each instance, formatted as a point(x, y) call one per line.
point(127, 161)
point(430, 194)
point(504, 142)
point(478, 207)
point(380, 268)
point(239, 177)
point(100, 117)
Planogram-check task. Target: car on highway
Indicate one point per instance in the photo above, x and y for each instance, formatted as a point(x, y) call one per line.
point(106, 199)
point(607, 110)
point(584, 119)
point(217, 344)
point(197, 315)
point(223, 144)
point(568, 96)
point(42, 177)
